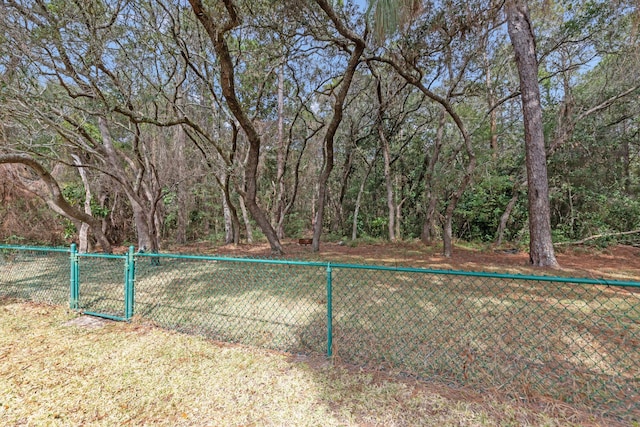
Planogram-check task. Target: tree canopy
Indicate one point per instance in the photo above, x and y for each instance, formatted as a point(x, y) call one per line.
point(236, 120)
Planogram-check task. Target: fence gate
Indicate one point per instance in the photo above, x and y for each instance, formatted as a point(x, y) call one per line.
point(103, 286)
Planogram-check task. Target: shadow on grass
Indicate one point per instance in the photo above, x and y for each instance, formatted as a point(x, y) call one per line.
point(529, 340)
point(35, 276)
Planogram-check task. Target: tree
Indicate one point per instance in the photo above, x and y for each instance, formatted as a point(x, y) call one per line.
point(447, 30)
point(55, 198)
point(522, 37)
point(81, 94)
point(338, 111)
point(217, 28)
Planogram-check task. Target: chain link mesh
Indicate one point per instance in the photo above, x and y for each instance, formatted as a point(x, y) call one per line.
point(35, 274)
point(576, 343)
point(280, 306)
point(102, 282)
point(551, 338)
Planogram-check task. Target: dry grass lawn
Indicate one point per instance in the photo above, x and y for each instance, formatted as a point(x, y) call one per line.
point(57, 369)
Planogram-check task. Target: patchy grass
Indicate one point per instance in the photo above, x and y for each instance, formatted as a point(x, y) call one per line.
point(532, 341)
point(56, 371)
point(528, 339)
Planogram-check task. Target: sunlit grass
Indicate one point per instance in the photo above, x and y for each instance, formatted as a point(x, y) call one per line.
point(530, 340)
point(56, 372)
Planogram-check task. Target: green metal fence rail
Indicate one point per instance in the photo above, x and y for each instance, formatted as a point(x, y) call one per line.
point(531, 337)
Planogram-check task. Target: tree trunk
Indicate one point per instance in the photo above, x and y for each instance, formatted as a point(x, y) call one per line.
point(228, 226)
point(356, 210)
point(626, 162)
point(346, 174)
point(391, 208)
point(182, 194)
point(57, 199)
point(541, 251)
point(386, 156)
point(216, 34)
point(247, 222)
point(505, 217)
point(145, 241)
point(338, 109)
point(251, 190)
point(447, 239)
point(428, 226)
point(84, 245)
point(399, 219)
point(233, 232)
point(281, 159)
point(153, 232)
point(83, 233)
point(354, 230)
point(493, 114)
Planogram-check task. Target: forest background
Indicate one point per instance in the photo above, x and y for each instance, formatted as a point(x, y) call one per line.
point(152, 121)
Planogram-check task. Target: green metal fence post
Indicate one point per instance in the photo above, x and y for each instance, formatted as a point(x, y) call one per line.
point(329, 312)
point(74, 275)
point(129, 291)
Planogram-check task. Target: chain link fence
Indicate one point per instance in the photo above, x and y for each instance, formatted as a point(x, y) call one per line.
point(530, 337)
point(268, 303)
point(525, 336)
point(101, 284)
point(36, 274)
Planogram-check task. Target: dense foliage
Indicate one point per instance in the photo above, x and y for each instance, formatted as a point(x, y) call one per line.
point(159, 127)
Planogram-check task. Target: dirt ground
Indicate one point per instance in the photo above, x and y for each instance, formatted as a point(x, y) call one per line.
point(615, 263)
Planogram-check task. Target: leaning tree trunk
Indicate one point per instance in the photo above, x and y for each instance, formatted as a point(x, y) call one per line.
point(541, 251)
point(232, 228)
point(216, 28)
point(56, 198)
point(338, 110)
point(505, 216)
